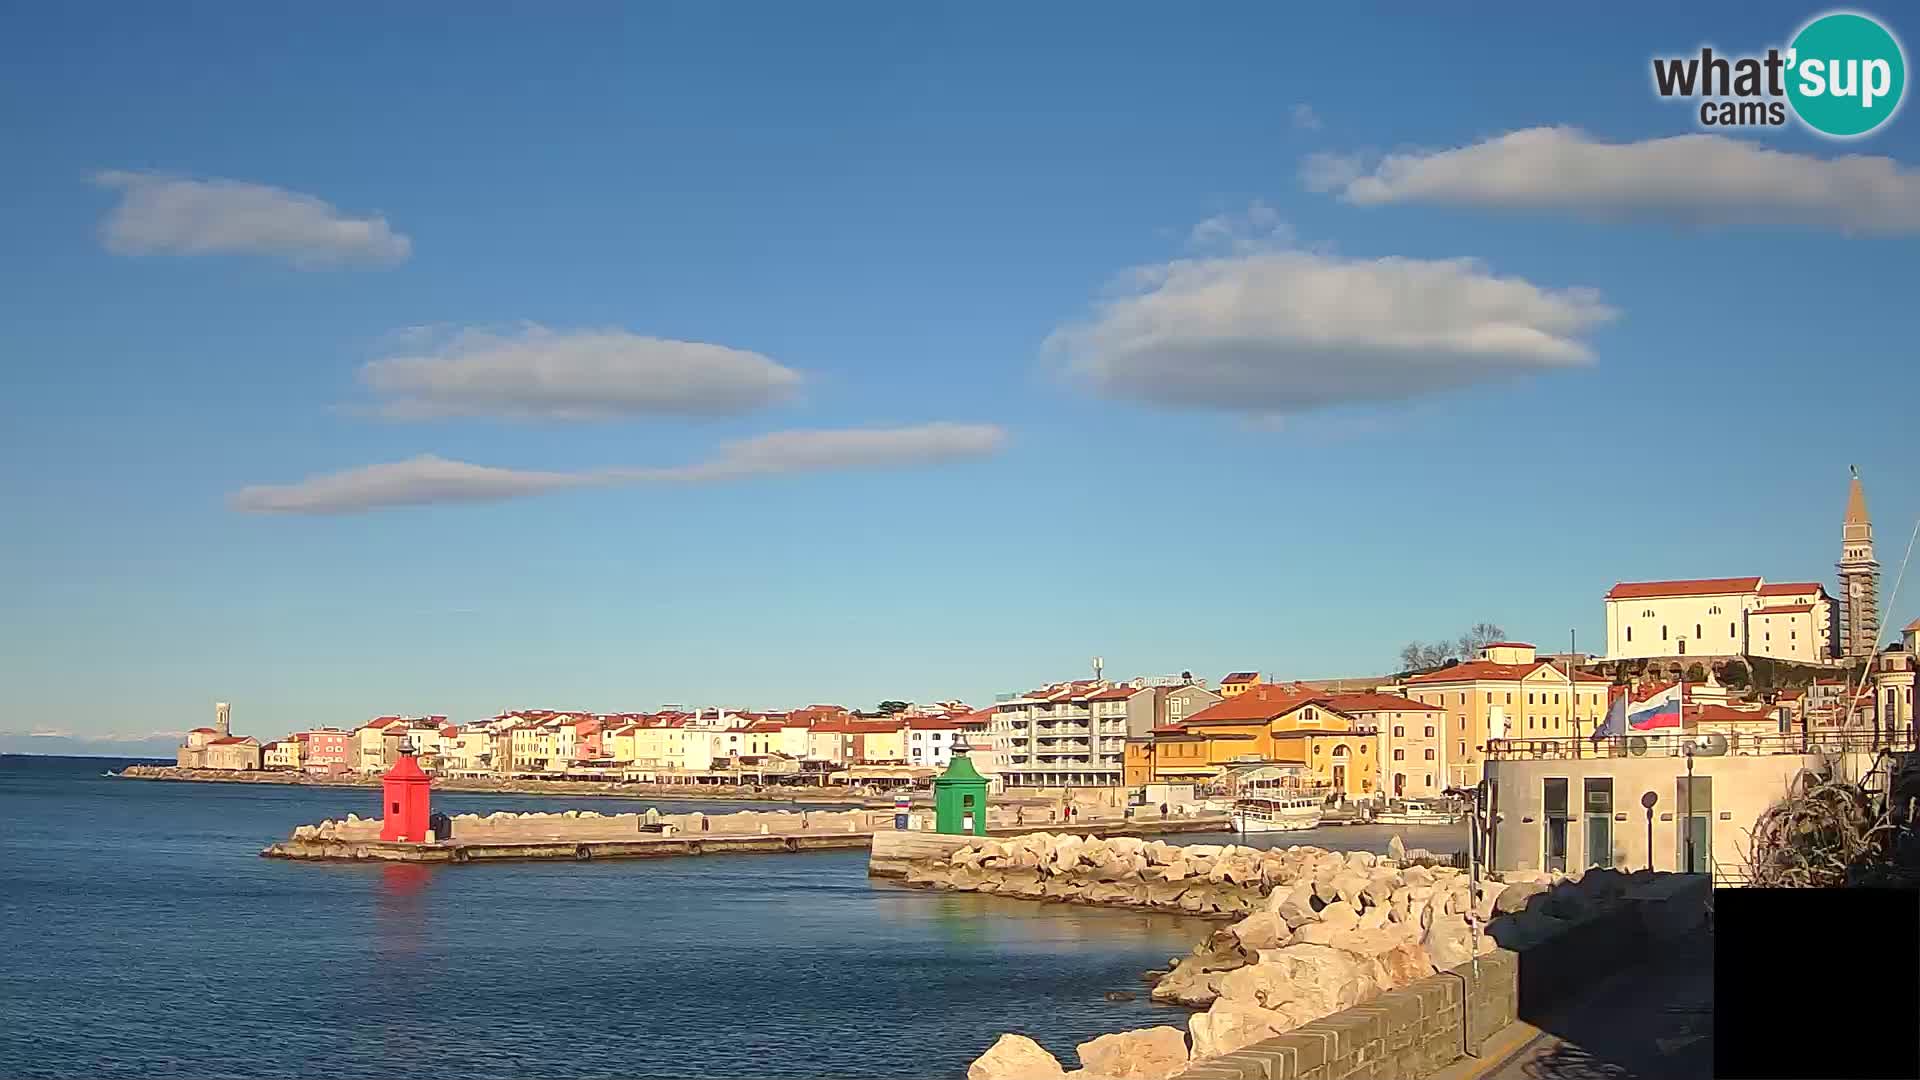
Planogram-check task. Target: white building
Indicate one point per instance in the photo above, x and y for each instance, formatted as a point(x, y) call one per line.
point(930, 740)
point(1715, 617)
point(1070, 734)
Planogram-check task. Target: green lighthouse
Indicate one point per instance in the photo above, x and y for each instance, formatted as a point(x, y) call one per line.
point(960, 797)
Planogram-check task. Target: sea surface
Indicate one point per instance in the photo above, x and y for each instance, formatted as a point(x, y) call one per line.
point(144, 936)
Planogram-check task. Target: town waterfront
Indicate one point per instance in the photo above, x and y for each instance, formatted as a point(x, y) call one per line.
point(146, 937)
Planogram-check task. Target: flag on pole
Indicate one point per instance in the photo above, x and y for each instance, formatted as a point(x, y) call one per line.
point(1662, 710)
point(1615, 725)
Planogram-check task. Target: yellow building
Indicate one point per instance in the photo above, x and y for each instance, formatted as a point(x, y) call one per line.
point(284, 754)
point(1239, 683)
point(1505, 693)
point(1262, 725)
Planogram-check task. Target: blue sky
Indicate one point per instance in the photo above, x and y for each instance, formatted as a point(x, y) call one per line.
point(849, 352)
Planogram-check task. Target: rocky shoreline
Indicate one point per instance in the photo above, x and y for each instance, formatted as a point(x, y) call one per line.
point(676, 792)
point(1318, 932)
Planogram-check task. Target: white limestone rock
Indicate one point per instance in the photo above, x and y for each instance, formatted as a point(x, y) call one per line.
point(1153, 1053)
point(1015, 1057)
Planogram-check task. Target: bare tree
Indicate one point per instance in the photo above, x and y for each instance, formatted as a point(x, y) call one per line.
point(1425, 656)
point(1478, 636)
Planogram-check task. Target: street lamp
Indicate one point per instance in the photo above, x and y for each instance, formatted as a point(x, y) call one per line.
point(1648, 800)
point(1687, 814)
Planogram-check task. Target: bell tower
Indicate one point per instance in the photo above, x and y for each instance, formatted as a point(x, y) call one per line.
point(1859, 577)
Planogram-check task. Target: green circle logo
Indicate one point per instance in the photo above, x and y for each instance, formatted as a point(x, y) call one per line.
point(1846, 74)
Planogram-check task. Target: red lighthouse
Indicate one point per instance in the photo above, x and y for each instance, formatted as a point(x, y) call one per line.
point(404, 801)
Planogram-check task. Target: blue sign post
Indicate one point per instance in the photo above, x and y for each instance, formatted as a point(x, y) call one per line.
point(902, 806)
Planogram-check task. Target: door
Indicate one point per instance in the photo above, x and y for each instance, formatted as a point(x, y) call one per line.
point(1600, 841)
point(1698, 830)
point(1554, 830)
point(1340, 780)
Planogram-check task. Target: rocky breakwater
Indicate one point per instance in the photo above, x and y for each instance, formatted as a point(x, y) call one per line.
point(1124, 871)
point(1326, 931)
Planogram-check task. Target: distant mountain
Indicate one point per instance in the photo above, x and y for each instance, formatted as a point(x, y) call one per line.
point(154, 745)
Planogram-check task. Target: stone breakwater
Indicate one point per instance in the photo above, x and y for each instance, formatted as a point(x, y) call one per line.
point(1197, 879)
point(1318, 932)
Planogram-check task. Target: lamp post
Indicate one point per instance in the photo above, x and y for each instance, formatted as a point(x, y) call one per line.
point(1687, 817)
point(1648, 800)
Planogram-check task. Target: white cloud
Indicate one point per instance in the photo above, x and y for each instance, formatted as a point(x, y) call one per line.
point(1259, 229)
point(167, 215)
point(536, 372)
point(1305, 118)
point(1692, 179)
point(1291, 331)
point(428, 479)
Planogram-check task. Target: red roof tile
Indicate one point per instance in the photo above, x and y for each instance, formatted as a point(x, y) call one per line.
point(204, 731)
point(934, 723)
point(1260, 702)
point(1492, 672)
point(1789, 588)
point(1641, 590)
point(1783, 609)
point(1114, 693)
point(233, 740)
point(1374, 702)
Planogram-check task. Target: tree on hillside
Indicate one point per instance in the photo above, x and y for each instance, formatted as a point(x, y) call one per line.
point(1427, 655)
point(1479, 636)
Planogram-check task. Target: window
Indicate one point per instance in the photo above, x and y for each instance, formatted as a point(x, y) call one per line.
point(1529, 699)
point(1730, 631)
point(1429, 758)
point(1529, 722)
point(1429, 779)
point(1463, 699)
point(1715, 610)
point(1663, 633)
point(1509, 697)
point(1429, 731)
point(1399, 755)
point(1629, 633)
point(1696, 632)
point(1463, 748)
point(1399, 731)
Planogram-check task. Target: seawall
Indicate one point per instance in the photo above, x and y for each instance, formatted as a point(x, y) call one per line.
point(1340, 964)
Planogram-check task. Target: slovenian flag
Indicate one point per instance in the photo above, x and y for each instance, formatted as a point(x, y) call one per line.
point(1662, 710)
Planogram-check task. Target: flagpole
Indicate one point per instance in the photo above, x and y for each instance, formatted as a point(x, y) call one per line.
point(1573, 714)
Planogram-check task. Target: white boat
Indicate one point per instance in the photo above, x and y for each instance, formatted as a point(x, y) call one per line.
point(1278, 813)
point(1415, 812)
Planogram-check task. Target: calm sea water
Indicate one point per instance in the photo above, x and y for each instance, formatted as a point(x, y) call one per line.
point(144, 936)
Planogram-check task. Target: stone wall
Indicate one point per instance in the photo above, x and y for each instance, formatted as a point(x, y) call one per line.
point(1348, 965)
point(1122, 871)
point(589, 825)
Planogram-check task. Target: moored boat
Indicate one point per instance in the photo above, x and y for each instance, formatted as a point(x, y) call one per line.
point(1416, 812)
point(1277, 813)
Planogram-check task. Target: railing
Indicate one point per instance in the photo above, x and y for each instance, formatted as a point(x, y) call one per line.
point(1675, 744)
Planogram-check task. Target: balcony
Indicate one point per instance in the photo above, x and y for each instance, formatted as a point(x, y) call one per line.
point(1068, 748)
point(1675, 744)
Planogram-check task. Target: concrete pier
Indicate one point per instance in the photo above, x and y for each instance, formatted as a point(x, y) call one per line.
point(456, 851)
point(589, 837)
